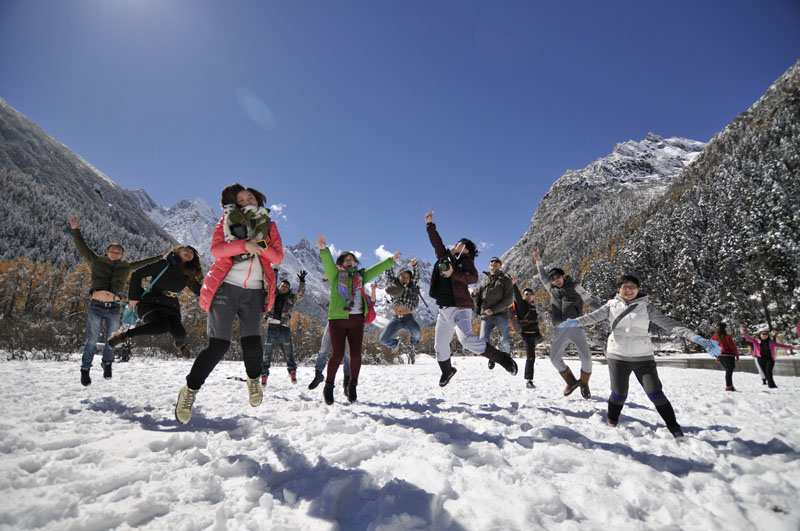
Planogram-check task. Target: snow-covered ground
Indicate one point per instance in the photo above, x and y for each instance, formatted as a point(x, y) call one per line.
point(482, 453)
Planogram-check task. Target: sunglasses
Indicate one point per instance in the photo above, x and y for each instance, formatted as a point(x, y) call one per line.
point(494, 261)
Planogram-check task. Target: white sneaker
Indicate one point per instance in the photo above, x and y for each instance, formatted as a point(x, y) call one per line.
point(183, 409)
point(255, 392)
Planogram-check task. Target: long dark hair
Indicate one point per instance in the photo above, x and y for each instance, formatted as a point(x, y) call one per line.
point(471, 248)
point(230, 192)
point(722, 330)
point(192, 269)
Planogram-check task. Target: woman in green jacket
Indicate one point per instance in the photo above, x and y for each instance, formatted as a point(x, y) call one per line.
point(347, 311)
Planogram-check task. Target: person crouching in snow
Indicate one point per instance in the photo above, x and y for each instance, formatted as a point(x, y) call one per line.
point(453, 272)
point(629, 347)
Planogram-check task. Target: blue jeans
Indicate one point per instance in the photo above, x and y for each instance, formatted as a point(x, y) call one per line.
point(406, 322)
point(96, 318)
point(501, 323)
point(325, 353)
point(281, 335)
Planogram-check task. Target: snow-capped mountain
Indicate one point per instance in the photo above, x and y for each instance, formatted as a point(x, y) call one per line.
point(584, 206)
point(190, 222)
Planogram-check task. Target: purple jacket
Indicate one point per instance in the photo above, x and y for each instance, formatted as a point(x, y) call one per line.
point(756, 341)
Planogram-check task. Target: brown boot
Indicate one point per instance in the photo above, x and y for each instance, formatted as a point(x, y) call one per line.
point(501, 358)
point(572, 383)
point(448, 371)
point(584, 383)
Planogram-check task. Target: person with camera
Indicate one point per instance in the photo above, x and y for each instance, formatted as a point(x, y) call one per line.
point(108, 275)
point(453, 272)
point(278, 331)
point(566, 302)
point(403, 290)
point(240, 283)
point(493, 298)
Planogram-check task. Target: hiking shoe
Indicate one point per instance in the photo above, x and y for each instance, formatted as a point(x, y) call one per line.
point(583, 383)
point(106, 370)
point(85, 380)
point(529, 384)
point(183, 409)
point(184, 350)
point(352, 396)
point(327, 393)
point(116, 338)
point(491, 365)
point(730, 388)
point(293, 376)
point(263, 381)
point(318, 379)
point(254, 391)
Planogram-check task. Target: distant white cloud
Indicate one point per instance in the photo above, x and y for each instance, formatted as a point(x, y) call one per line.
point(484, 245)
point(382, 253)
point(278, 211)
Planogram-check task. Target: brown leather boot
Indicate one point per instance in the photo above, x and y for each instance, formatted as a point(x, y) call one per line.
point(572, 383)
point(584, 384)
point(501, 358)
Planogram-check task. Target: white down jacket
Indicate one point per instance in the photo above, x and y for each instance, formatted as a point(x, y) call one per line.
point(629, 340)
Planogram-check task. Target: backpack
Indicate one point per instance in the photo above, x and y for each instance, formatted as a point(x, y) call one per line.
point(395, 289)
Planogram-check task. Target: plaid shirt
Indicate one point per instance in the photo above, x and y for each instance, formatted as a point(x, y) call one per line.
point(410, 296)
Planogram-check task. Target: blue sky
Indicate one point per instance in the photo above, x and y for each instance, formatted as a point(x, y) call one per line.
point(357, 117)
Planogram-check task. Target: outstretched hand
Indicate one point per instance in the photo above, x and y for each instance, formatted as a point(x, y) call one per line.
point(513, 279)
point(397, 256)
point(302, 275)
point(74, 223)
point(536, 255)
point(429, 216)
point(321, 242)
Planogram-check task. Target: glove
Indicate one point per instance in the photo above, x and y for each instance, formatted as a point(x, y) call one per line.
point(302, 276)
point(569, 323)
point(711, 346)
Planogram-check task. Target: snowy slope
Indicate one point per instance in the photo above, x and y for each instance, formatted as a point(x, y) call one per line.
point(481, 453)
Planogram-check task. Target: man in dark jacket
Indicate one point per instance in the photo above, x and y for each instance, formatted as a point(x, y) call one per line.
point(453, 272)
point(528, 319)
point(566, 302)
point(109, 272)
point(493, 299)
point(278, 330)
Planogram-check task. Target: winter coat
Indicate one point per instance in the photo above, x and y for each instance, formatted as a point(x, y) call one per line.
point(171, 282)
point(109, 275)
point(773, 345)
point(289, 300)
point(728, 346)
point(410, 297)
point(630, 340)
point(567, 301)
point(453, 290)
point(336, 305)
point(526, 313)
point(223, 261)
point(495, 293)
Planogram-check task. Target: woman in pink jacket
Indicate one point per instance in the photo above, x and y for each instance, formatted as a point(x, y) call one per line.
point(240, 283)
point(764, 351)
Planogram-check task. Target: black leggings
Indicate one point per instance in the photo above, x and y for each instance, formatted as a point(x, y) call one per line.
point(208, 358)
point(158, 322)
point(729, 363)
point(767, 364)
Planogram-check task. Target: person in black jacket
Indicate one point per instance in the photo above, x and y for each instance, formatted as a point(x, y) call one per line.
point(160, 308)
point(525, 310)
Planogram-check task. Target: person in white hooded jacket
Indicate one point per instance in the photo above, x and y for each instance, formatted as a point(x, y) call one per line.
point(629, 348)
